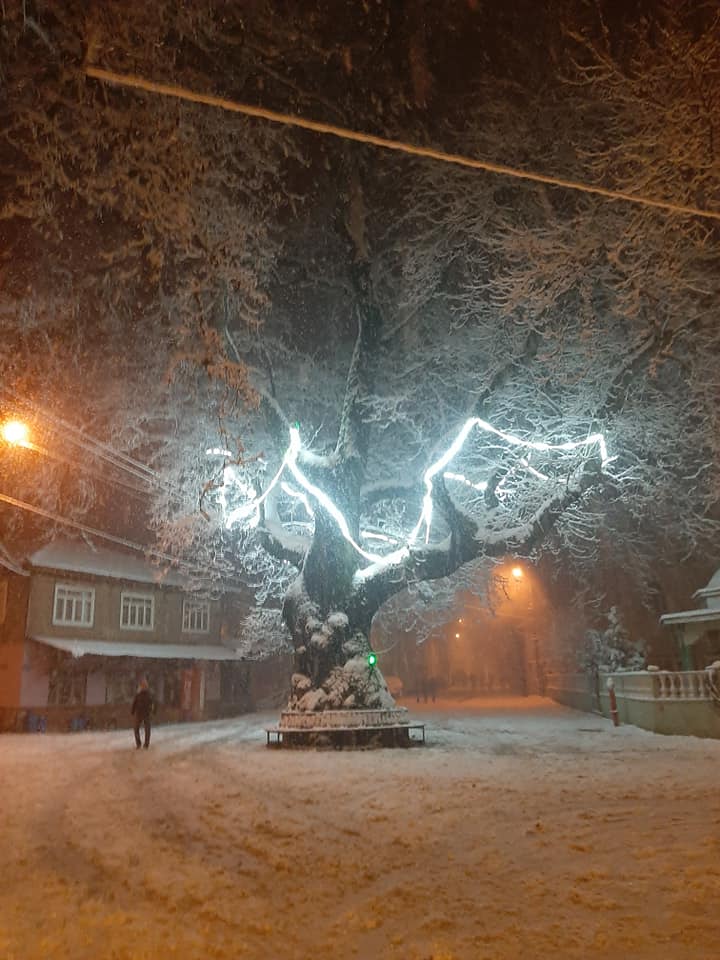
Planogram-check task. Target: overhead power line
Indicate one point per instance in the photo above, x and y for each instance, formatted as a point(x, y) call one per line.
point(83, 439)
point(190, 570)
point(430, 153)
point(93, 531)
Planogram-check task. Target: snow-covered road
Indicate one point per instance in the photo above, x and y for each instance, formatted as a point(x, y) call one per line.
point(522, 830)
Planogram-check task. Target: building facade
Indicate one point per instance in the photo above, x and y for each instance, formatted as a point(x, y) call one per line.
point(697, 632)
point(83, 624)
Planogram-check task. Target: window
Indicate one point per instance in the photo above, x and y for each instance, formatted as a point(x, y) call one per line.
point(74, 606)
point(66, 689)
point(119, 687)
point(196, 616)
point(137, 611)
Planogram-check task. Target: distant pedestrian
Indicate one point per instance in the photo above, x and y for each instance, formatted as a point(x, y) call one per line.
point(142, 709)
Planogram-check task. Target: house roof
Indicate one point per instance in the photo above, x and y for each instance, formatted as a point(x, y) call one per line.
point(7, 561)
point(712, 589)
point(705, 615)
point(79, 557)
point(148, 651)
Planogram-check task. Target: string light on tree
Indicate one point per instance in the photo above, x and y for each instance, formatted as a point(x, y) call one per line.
point(250, 510)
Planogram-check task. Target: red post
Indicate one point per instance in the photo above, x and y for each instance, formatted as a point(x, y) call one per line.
point(613, 702)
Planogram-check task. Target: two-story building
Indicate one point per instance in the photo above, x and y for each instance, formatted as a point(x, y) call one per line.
point(81, 624)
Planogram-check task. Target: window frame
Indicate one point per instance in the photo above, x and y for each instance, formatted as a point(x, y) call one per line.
point(75, 588)
point(133, 596)
point(187, 612)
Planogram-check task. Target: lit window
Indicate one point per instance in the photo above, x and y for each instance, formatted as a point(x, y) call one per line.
point(196, 616)
point(137, 611)
point(73, 606)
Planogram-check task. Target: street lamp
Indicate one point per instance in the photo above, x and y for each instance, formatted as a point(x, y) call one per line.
point(15, 432)
point(517, 572)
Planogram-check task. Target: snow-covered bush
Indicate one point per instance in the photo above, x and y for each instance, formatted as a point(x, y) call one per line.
point(611, 650)
point(263, 635)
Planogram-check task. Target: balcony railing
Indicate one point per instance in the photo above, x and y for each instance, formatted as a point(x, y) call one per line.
point(664, 685)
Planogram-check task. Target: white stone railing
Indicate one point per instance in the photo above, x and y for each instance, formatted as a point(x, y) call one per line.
point(685, 685)
point(663, 685)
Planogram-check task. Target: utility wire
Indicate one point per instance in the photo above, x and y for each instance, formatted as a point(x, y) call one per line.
point(98, 474)
point(95, 448)
point(90, 444)
point(330, 129)
point(66, 521)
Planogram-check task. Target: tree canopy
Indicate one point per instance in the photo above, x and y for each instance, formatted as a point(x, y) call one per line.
point(222, 298)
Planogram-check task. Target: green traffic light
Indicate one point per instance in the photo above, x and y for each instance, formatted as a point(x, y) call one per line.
point(371, 659)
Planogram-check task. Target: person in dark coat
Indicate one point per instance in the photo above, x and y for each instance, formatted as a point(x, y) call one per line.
point(141, 711)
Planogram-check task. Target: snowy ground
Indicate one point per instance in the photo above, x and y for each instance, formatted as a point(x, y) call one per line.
point(522, 830)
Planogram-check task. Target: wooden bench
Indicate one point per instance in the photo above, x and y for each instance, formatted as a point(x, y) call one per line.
point(392, 735)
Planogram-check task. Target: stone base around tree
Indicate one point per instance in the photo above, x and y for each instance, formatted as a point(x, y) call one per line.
point(346, 729)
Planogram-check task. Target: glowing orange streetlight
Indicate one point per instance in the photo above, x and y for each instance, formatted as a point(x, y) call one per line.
point(517, 572)
point(457, 636)
point(15, 432)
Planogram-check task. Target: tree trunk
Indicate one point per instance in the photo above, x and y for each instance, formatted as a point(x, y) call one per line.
point(334, 666)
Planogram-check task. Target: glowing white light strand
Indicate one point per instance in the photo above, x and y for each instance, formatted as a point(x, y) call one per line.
point(251, 510)
point(297, 495)
point(246, 510)
point(371, 535)
point(427, 507)
point(482, 486)
point(323, 498)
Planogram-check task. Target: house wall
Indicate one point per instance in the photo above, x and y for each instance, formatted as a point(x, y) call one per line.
point(106, 626)
point(95, 690)
point(35, 681)
point(14, 592)
point(215, 688)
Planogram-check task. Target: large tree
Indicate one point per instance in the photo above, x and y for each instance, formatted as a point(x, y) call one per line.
point(334, 320)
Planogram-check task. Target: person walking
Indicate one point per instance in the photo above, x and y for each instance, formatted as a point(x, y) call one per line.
point(141, 711)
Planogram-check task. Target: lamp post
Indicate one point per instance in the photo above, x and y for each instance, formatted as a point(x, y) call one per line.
point(15, 432)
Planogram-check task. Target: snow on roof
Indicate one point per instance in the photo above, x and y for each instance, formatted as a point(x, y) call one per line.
point(690, 616)
point(80, 557)
point(152, 651)
point(9, 563)
point(712, 588)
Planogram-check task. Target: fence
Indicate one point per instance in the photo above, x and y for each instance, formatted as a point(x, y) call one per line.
point(671, 702)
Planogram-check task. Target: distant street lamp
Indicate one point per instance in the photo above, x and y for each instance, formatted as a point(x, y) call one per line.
point(517, 572)
point(15, 432)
